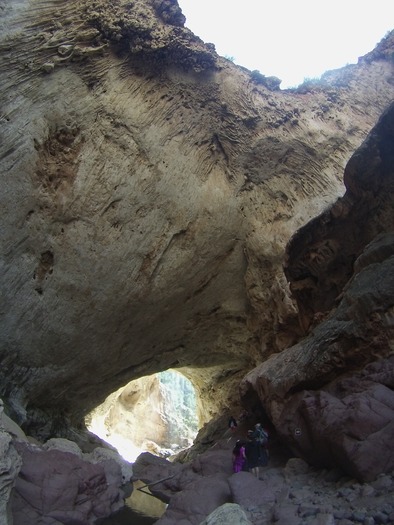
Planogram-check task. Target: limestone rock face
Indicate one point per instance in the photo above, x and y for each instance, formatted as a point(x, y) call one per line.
point(134, 412)
point(323, 255)
point(10, 465)
point(331, 395)
point(149, 188)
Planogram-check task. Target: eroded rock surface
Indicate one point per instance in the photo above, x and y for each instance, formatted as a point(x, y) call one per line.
point(331, 395)
point(322, 256)
point(151, 188)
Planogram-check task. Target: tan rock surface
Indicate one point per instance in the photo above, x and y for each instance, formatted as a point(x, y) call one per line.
point(149, 190)
point(135, 413)
point(330, 396)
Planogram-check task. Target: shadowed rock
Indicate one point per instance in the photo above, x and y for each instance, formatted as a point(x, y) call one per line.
point(57, 487)
point(331, 395)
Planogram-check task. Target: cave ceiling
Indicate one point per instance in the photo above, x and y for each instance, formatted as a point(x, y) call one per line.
point(149, 190)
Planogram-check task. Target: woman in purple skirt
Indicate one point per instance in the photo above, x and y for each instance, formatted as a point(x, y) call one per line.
point(238, 456)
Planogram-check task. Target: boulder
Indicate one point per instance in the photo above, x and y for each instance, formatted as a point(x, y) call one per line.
point(163, 477)
point(102, 455)
point(212, 462)
point(248, 491)
point(57, 487)
point(197, 500)
point(227, 514)
point(349, 423)
point(62, 444)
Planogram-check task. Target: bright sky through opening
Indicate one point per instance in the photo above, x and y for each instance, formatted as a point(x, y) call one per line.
point(289, 39)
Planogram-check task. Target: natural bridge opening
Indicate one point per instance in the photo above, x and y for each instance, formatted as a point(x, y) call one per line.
point(288, 39)
point(155, 413)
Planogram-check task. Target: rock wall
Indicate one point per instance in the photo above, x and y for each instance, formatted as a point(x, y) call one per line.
point(323, 255)
point(331, 395)
point(149, 190)
point(132, 418)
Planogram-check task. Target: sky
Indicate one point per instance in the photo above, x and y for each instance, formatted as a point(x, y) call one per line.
point(290, 39)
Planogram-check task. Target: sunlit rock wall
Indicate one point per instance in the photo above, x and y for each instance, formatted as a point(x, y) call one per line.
point(146, 415)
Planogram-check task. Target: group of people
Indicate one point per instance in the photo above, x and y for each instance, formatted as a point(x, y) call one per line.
point(251, 455)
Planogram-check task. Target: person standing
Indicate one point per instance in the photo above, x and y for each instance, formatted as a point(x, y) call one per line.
point(252, 452)
point(238, 456)
point(260, 434)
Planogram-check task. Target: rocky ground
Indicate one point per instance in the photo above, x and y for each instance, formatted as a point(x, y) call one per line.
point(288, 492)
point(298, 494)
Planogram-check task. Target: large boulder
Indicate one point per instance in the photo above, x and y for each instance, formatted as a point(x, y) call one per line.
point(197, 500)
point(56, 487)
point(192, 490)
point(349, 423)
point(248, 491)
point(163, 477)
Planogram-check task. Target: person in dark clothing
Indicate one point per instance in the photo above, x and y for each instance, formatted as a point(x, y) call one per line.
point(256, 454)
point(252, 453)
point(263, 457)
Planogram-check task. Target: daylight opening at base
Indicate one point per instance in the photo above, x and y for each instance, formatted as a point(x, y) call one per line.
point(156, 414)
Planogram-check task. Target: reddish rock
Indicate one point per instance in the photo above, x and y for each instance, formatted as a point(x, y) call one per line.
point(193, 504)
point(57, 487)
point(349, 423)
point(330, 397)
point(212, 462)
point(164, 478)
point(249, 491)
